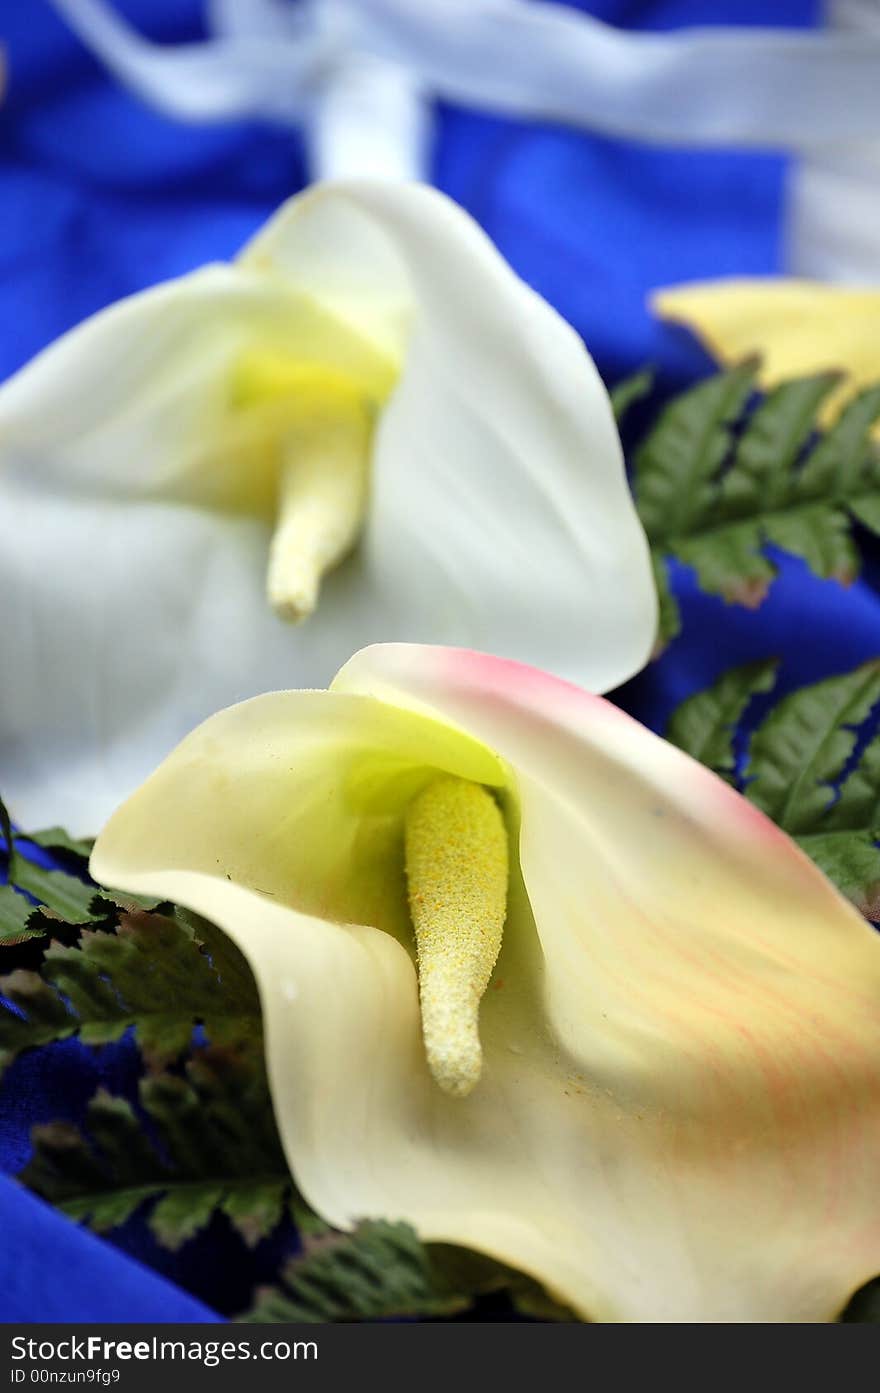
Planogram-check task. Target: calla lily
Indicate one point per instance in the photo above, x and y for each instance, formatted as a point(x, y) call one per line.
point(668, 1105)
point(796, 326)
point(368, 384)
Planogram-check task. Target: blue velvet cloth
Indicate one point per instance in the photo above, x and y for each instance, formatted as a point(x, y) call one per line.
point(102, 197)
point(53, 1271)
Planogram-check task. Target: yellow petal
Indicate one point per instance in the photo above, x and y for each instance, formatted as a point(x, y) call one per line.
point(797, 327)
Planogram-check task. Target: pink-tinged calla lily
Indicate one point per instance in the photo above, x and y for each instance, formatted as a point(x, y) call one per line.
point(796, 326)
point(670, 1109)
point(367, 414)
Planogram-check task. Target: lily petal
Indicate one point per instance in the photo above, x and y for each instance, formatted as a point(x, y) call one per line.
point(679, 1116)
point(140, 401)
point(797, 327)
point(500, 502)
point(136, 494)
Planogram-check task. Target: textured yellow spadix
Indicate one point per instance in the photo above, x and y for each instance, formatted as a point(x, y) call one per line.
point(325, 424)
point(456, 868)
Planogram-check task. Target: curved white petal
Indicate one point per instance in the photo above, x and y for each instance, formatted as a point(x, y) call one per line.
point(141, 400)
point(137, 494)
point(679, 1118)
point(124, 627)
point(136, 500)
point(703, 974)
point(500, 514)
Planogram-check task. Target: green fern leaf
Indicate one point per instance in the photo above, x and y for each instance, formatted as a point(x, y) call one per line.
point(813, 765)
point(151, 974)
point(15, 911)
point(669, 617)
point(714, 487)
point(678, 462)
point(383, 1271)
point(379, 1271)
point(65, 895)
point(799, 752)
point(630, 391)
point(57, 839)
point(705, 724)
point(217, 1149)
point(62, 894)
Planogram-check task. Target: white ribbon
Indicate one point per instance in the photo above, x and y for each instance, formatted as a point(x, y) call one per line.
point(358, 72)
point(833, 230)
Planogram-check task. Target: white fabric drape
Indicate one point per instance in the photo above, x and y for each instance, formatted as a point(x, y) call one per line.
point(763, 87)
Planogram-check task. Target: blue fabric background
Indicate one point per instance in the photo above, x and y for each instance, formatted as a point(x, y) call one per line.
point(102, 197)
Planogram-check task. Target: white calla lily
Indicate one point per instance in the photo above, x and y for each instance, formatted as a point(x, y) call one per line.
point(370, 382)
point(677, 1112)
